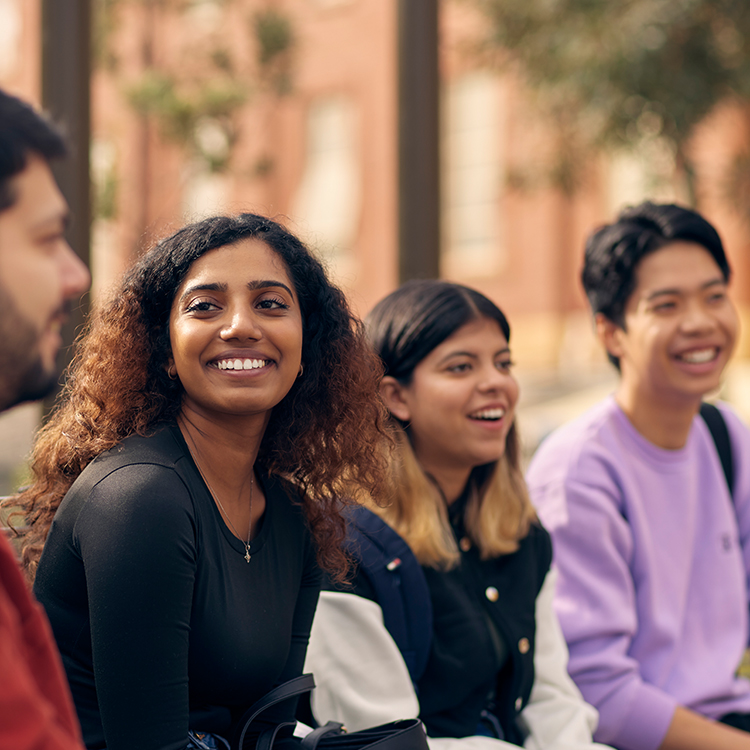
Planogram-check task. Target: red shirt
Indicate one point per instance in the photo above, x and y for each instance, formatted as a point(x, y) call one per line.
point(36, 710)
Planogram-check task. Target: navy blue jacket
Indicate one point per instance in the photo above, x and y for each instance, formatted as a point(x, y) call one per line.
point(466, 634)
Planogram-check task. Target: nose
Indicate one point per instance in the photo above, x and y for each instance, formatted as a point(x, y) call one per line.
point(74, 274)
point(493, 379)
point(241, 324)
point(697, 319)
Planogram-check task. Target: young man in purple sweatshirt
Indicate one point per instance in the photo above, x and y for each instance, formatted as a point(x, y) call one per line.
point(653, 551)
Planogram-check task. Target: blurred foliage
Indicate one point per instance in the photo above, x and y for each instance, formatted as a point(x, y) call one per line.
point(103, 15)
point(622, 72)
point(194, 95)
point(198, 116)
point(275, 42)
point(736, 183)
point(105, 196)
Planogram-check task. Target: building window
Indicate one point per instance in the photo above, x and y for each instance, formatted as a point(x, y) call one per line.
point(473, 174)
point(205, 192)
point(10, 34)
point(327, 205)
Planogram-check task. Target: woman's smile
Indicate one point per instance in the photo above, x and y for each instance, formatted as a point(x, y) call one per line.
point(239, 363)
point(490, 418)
point(236, 331)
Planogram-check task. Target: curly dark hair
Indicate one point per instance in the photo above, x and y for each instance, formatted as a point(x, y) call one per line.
point(325, 436)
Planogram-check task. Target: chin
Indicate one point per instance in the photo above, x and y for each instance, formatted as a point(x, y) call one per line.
point(487, 459)
point(695, 394)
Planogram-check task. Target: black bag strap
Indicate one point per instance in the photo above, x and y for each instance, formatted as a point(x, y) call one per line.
point(268, 736)
point(310, 741)
point(290, 689)
point(720, 435)
point(405, 734)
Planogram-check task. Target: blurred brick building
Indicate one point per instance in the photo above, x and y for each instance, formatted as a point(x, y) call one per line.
point(288, 107)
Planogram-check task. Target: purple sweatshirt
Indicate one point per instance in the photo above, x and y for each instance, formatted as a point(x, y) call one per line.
point(653, 560)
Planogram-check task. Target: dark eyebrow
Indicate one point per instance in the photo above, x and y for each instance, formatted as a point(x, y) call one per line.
point(221, 287)
point(458, 354)
point(265, 283)
point(471, 355)
point(203, 288)
point(719, 281)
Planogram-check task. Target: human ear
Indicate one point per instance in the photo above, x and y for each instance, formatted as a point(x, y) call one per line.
point(610, 335)
point(392, 393)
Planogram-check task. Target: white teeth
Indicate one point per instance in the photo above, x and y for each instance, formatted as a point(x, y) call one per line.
point(699, 357)
point(241, 364)
point(489, 414)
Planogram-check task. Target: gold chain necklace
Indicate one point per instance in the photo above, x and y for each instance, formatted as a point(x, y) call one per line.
point(246, 544)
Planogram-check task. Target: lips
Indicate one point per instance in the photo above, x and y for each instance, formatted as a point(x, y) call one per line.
point(236, 360)
point(699, 356)
point(240, 364)
point(489, 414)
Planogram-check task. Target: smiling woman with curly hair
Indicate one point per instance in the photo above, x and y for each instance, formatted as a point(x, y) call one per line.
point(194, 471)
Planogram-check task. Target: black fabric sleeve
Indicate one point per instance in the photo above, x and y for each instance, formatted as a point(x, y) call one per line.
point(304, 612)
point(136, 538)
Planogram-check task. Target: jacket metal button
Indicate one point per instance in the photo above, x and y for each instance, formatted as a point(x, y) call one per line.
point(524, 645)
point(491, 593)
point(465, 544)
point(519, 703)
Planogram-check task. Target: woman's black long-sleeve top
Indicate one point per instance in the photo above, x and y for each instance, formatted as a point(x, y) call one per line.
point(162, 624)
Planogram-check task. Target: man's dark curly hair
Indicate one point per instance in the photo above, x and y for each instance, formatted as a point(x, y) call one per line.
point(614, 251)
point(325, 435)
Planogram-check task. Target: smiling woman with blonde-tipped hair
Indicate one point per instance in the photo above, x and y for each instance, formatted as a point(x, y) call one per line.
point(450, 614)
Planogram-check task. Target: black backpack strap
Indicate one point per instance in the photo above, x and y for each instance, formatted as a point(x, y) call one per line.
point(398, 582)
point(720, 435)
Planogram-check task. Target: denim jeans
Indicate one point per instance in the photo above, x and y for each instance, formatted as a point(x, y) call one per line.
point(203, 741)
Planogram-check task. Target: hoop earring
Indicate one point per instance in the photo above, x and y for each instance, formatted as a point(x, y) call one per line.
point(172, 372)
point(301, 369)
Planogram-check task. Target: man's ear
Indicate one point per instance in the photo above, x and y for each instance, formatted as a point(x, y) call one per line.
point(609, 334)
point(392, 393)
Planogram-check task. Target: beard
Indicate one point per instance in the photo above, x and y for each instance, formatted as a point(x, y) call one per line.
point(23, 376)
